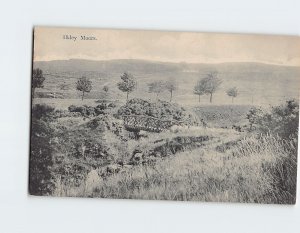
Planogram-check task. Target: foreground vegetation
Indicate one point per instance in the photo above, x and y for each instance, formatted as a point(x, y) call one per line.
point(256, 170)
point(86, 151)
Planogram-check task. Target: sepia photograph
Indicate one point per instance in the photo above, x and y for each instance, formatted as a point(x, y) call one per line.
point(164, 115)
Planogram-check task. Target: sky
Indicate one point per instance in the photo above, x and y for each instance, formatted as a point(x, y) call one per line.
point(165, 46)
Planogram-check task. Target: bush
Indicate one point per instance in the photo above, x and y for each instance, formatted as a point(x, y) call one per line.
point(107, 123)
point(63, 154)
point(81, 109)
point(161, 109)
point(84, 147)
point(281, 120)
point(107, 103)
point(41, 158)
point(89, 111)
point(42, 111)
point(100, 109)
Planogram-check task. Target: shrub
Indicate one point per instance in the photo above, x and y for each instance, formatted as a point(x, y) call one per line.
point(89, 111)
point(100, 109)
point(41, 154)
point(72, 108)
point(42, 111)
point(107, 123)
point(72, 174)
point(81, 109)
point(41, 181)
point(281, 120)
point(160, 109)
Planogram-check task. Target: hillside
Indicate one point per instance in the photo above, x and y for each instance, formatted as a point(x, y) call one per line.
point(133, 65)
point(260, 83)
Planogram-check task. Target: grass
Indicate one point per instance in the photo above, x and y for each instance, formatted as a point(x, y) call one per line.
point(249, 172)
point(256, 170)
point(230, 166)
point(223, 115)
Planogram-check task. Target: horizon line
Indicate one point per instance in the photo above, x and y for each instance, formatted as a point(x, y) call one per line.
point(172, 62)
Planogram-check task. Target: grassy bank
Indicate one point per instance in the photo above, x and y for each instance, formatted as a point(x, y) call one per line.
point(255, 170)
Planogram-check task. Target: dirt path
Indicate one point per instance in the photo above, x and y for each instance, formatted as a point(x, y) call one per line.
point(208, 141)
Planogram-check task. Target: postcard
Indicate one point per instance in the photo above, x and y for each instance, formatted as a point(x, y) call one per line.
point(162, 115)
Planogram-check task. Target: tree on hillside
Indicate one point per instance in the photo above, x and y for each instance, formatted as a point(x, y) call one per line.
point(127, 84)
point(199, 89)
point(37, 80)
point(211, 84)
point(84, 85)
point(171, 87)
point(156, 87)
point(232, 92)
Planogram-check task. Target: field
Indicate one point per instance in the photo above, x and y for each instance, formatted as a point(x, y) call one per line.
point(180, 149)
point(259, 84)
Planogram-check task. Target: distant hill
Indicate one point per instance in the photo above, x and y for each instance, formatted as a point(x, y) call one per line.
point(263, 82)
point(111, 66)
point(133, 65)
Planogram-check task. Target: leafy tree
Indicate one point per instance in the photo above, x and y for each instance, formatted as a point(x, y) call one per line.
point(84, 85)
point(156, 87)
point(171, 86)
point(211, 84)
point(199, 89)
point(127, 84)
point(37, 80)
point(232, 92)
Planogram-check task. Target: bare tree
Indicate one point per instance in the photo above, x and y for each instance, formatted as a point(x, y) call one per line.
point(156, 87)
point(37, 80)
point(232, 92)
point(211, 84)
point(84, 85)
point(127, 84)
point(171, 87)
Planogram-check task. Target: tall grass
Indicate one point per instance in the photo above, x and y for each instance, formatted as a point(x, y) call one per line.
point(259, 170)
